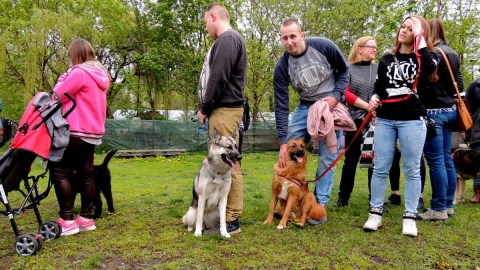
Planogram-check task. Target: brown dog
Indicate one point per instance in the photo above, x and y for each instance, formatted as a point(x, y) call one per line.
point(290, 187)
point(467, 164)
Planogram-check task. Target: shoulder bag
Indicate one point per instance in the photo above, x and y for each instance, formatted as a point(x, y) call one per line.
point(464, 119)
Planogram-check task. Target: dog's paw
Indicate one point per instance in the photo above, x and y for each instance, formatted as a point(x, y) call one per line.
point(280, 227)
point(226, 235)
point(198, 233)
point(268, 221)
point(190, 229)
point(299, 224)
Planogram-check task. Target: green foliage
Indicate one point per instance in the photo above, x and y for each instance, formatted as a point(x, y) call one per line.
point(154, 50)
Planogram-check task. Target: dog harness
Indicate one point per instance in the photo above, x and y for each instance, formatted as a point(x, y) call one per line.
point(295, 181)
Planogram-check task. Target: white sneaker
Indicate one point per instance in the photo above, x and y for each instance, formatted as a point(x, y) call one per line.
point(374, 220)
point(409, 225)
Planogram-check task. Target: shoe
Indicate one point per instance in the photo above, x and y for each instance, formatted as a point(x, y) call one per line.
point(314, 222)
point(421, 204)
point(85, 224)
point(341, 202)
point(374, 220)
point(433, 215)
point(394, 199)
point(450, 212)
point(410, 225)
point(233, 227)
point(69, 227)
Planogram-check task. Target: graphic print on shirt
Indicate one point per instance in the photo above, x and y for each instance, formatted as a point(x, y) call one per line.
point(307, 73)
point(204, 75)
point(401, 84)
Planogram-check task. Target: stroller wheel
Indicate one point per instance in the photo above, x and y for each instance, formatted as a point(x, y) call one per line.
point(50, 230)
point(28, 244)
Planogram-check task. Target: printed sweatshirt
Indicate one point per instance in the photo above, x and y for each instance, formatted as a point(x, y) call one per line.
point(320, 71)
point(87, 83)
point(390, 84)
point(223, 75)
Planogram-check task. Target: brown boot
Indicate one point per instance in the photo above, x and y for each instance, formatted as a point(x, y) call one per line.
point(476, 195)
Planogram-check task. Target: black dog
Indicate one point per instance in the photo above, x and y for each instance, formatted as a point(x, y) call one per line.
point(102, 180)
point(467, 163)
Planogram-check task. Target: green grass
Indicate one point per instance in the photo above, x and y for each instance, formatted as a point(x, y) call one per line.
point(152, 194)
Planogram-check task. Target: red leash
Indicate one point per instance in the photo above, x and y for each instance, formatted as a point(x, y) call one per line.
point(367, 117)
point(359, 130)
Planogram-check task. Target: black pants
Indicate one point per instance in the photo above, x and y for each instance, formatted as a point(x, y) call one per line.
point(74, 172)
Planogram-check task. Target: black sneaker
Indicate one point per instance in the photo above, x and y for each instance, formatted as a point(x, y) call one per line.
point(341, 202)
point(421, 204)
point(394, 199)
point(233, 227)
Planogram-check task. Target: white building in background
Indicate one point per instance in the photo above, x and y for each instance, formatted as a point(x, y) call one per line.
point(174, 115)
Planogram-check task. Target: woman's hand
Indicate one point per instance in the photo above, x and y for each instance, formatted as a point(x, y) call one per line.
point(416, 26)
point(373, 104)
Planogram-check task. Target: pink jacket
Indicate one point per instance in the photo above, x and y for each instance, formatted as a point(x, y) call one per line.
point(322, 123)
point(88, 84)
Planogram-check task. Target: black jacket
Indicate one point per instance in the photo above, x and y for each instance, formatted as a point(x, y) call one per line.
point(441, 94)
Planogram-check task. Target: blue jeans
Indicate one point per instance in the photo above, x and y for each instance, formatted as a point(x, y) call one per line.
point(297, 128)
point(411, 135)
point(476, 181)
point(437, 152)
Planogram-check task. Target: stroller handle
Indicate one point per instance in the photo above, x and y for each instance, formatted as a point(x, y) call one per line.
point(74, 102)
point(58, 105)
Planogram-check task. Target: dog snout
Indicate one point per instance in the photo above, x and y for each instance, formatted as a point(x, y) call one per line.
point(300, 153)
point(239, 156)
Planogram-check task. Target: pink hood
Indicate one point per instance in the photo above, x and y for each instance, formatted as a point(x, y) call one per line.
point(88, 84)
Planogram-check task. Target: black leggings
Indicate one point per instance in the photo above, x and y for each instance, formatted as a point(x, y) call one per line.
point(74, 173)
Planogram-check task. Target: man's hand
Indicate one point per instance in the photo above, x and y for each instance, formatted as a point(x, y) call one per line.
point(282, 156)
point(201, 118)
point(332, 102)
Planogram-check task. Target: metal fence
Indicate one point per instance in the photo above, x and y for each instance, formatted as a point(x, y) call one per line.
point(165, 134)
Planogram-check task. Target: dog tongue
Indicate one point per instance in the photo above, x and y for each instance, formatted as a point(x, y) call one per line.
point(235, 165)
point(300, 159)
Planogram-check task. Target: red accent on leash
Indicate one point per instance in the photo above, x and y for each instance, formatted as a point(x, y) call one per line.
point(367, 117)
point(359, 130)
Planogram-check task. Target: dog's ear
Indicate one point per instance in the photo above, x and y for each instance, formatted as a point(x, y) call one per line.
point(234, 134)
point(216, 135)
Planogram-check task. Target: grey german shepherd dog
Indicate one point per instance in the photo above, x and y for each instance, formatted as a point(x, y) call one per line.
point(212, 184)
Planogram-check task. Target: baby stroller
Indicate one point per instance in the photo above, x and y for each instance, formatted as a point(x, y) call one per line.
point(42, 132)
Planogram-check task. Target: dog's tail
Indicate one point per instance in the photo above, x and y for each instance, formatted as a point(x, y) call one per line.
point(108, 157)
point(317, 211)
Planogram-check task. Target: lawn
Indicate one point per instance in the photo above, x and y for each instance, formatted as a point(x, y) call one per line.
point(152, 194)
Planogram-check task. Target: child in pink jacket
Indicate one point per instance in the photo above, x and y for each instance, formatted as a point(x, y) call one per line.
point(87, 82)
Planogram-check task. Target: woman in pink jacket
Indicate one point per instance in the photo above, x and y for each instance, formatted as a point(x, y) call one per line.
point(87, 81)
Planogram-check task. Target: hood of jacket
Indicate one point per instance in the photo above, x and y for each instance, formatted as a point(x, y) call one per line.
point(98, 73)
